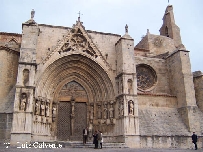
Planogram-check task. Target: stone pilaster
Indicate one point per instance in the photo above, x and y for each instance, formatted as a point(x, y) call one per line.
point(127, 89)
point(25, 86)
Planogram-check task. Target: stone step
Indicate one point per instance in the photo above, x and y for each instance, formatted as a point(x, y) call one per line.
point(79, 144)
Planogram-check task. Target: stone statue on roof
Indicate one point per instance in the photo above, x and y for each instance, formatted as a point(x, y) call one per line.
point(32, 14)
point(126, 28)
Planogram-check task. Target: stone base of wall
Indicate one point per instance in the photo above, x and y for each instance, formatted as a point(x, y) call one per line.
point(17, 139)
point(43, 138)
point(5, 127)
point(184, 142)
point(114, 139)
point(132, 141)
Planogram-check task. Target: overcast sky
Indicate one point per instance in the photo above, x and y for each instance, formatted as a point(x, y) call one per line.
point(111, 16)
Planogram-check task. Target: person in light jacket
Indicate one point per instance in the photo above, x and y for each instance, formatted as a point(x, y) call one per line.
point(101, 140)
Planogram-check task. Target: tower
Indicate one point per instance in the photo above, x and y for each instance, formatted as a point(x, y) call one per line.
point(169, 28)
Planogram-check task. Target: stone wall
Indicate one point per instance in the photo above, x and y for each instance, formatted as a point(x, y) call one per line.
point(198, 83)
point(157, 44)
point(8, 76)
point(9, 55)
point(176, 141)
point(157, 101)
point(5, 38)
point(181, 85)
point(160, 44)
point(5, 127)
point(180, 78)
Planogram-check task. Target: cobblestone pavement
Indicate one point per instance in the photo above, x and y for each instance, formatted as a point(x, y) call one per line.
point(32, 149)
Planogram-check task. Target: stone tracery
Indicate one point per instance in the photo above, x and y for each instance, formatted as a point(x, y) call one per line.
point(77, 42)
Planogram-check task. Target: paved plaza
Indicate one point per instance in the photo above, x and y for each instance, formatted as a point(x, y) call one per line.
point(14, 149)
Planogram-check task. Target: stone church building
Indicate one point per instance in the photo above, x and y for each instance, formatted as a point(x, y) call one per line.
point(55, 81)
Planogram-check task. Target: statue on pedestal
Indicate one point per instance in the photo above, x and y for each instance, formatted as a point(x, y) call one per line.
point(111, 111)
point(42, 106)
point(131, 107)
point(23, 101)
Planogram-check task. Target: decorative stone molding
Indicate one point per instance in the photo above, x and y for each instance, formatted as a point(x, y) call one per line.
point(158, 42)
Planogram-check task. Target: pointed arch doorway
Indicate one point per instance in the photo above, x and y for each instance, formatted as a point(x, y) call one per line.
point(72, 112)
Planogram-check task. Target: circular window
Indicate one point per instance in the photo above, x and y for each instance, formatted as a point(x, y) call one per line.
point(146, 77)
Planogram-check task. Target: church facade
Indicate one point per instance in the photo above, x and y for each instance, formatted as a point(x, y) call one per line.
point(56, 81)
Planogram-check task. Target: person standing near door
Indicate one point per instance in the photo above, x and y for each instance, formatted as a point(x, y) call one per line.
point(85, 135)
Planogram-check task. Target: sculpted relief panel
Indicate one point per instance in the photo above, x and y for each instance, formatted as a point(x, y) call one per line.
point(73, 90)
point(77, 42)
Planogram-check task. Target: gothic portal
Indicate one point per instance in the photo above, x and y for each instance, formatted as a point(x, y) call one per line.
point(72, 112)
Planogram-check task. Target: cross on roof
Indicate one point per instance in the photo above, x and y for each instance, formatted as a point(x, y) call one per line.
point(79, 16)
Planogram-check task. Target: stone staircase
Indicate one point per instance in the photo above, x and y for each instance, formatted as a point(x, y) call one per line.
point(79, 144)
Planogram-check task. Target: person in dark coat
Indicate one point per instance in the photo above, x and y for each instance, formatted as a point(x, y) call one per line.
point(95, 141)
point(194, 140)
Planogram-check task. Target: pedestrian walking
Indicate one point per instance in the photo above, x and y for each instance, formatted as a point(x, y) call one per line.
point(194, 140)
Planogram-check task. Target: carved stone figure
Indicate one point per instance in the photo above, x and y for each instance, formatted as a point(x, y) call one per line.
point(23, 101)
point(130, 86)
point(37, 108)
point(131, 107)
point(105, 111)
point(25, 77)
point(42, 107)
point(54, 111)
point(99, 112)
point(111, 111)
point(126, 28)
point(91, 113)
point(47, 110)
point(72, 108)
point(121, 86)
point(121, 108)
point(32, 14)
